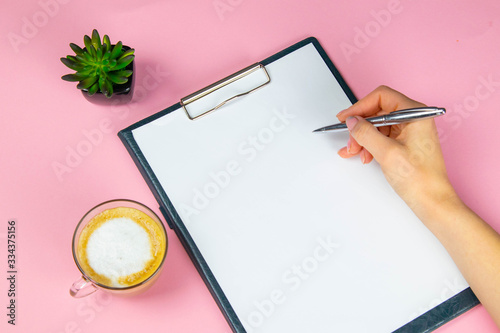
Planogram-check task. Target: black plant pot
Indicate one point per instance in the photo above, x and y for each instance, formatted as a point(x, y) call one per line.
point(122, 93)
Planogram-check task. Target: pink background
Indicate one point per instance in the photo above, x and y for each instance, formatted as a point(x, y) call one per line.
point(439, 52)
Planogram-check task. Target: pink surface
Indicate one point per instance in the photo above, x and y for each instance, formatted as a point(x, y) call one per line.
point(444, 53)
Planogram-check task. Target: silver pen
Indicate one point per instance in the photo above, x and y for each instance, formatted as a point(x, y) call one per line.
point(393, 118)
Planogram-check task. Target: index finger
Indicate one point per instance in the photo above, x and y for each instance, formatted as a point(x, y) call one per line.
point(380, 101)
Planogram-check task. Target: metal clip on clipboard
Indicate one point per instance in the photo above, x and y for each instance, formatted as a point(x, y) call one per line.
point(221, 92)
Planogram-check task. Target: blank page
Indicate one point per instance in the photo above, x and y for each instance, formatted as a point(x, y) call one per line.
point(299, 239)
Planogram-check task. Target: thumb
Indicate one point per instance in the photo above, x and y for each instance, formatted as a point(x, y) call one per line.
point(369, 137)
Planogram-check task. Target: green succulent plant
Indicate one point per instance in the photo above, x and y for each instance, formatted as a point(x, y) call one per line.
point(99, 66)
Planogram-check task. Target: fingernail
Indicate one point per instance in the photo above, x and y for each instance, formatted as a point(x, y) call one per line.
point(349, 145)
point(362, 157)
point(351, 122)
point(338, 114)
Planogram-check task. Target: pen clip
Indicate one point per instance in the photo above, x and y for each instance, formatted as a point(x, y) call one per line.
point(409, 115)
point(413, 110)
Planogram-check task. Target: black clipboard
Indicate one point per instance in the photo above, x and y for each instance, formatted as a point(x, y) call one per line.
point(425, 321)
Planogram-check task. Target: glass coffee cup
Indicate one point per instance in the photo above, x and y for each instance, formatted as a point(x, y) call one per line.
point(119, 246)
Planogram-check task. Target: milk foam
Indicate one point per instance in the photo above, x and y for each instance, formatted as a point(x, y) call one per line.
point(119, 247)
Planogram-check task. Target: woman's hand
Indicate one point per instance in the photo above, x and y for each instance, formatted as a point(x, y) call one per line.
point(411, 159)
point(409, 154)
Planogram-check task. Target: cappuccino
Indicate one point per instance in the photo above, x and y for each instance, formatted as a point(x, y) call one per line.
point(121, 247)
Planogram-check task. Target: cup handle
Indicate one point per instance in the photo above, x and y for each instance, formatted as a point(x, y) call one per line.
point(81, 288)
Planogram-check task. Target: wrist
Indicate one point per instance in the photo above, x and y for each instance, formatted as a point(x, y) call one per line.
point(435, 203)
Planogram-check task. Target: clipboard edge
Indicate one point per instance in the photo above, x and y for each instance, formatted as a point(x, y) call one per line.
point(175, 223)
point(440, 314)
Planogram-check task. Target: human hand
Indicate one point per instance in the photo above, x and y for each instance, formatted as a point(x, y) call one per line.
point(410, 157)
point(409, 154)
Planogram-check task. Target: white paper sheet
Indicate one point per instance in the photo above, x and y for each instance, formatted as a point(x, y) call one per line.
point(299, 239)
